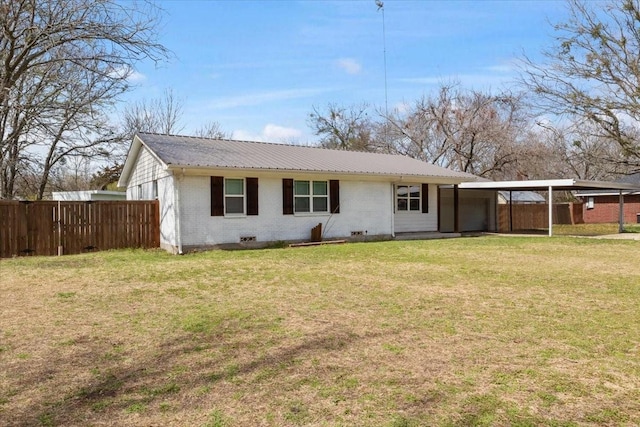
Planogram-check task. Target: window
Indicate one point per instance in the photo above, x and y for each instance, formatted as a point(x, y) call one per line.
point(154, 189)
point(590, 202)
point(234, 196)
point(407, 198)
point(139, 196)
point(310, 196)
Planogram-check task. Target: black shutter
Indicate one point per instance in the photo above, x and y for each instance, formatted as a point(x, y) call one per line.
point(287, 196)
point(425, 198)
point(252, 196)
point(217, 196)
point(334, 195)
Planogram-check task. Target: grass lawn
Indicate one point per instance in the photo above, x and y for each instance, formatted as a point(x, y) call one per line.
point(473, 331)
point(592, 229)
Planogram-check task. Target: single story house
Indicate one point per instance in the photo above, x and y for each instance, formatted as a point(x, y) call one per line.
point(603, 206)
point(217, 193)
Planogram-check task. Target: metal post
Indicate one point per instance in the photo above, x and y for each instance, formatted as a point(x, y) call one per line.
point(621, 213)
point(550, 211)
point(510, 211)
point(456, 209)
point(60, 249)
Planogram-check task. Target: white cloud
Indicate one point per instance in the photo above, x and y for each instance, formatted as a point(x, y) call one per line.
point(350, 65)
point(270, 133)
point(136, 77)
point(501, 68)
point(401, 107)
point(477, 81)
point(280, 133)
point(252, 99)
point(130, 74)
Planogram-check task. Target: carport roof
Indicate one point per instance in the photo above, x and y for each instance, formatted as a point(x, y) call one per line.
point(554, 184)
point(545, 184)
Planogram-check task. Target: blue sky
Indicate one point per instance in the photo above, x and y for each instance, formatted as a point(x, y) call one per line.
point(258, 67)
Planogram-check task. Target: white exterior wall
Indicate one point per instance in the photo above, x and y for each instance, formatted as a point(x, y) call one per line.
point(364, 206)
point(140, 187)
point(146, 170)
point(408, 221)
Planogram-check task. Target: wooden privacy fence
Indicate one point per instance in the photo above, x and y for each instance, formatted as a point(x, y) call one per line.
point(536, 216)
point(56, 228)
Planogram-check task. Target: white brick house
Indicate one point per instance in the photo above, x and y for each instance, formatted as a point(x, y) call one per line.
point(223, 193)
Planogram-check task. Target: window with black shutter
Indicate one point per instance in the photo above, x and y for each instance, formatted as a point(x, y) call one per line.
point(217, 196)
point(234, 196)
point(425, 198)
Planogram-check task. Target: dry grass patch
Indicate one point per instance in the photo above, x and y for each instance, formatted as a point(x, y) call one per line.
point(478, 331)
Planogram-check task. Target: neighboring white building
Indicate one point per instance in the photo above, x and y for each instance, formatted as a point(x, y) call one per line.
point(222, 192)
point(520, 197)
point(88, 195)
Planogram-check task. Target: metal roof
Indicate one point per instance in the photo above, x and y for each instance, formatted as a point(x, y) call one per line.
point(544, 184)
point(627, 179)
point(192, 152)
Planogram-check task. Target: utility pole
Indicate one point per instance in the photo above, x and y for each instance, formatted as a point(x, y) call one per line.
point(380, 5)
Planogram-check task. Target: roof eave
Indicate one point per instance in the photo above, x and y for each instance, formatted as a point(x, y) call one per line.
point(130, 162)
point(132, 158)
point(390, 176)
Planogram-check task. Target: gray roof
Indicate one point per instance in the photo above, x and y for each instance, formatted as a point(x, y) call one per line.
point(191, 152)
point(633, 179)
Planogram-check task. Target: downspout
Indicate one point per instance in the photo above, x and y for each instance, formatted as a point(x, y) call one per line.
point(393, 210)
point(176, 189)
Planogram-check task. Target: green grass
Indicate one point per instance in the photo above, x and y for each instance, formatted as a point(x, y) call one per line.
point(474, 331)
point(592, 229)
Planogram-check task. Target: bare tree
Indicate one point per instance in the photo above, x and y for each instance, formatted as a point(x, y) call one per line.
point(469, 131)
point(161, 115)
point(592, 72)
point(212, 130)
point(345, 128)
point(62, 65)
point(578, 150)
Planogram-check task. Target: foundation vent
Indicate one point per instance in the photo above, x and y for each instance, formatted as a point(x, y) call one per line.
point(246, 239)
point(357, 233)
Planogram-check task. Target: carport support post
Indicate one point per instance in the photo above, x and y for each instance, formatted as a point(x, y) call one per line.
point(510, 211)
point(550, 211)
point(456, 210)
point(621, 213)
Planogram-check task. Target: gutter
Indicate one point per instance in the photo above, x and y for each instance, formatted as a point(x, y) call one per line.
point(176, 188)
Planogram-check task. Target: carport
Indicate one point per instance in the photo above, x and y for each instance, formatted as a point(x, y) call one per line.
point(551, 185)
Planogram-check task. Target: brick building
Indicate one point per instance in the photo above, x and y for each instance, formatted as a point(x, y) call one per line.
point(602, 206)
